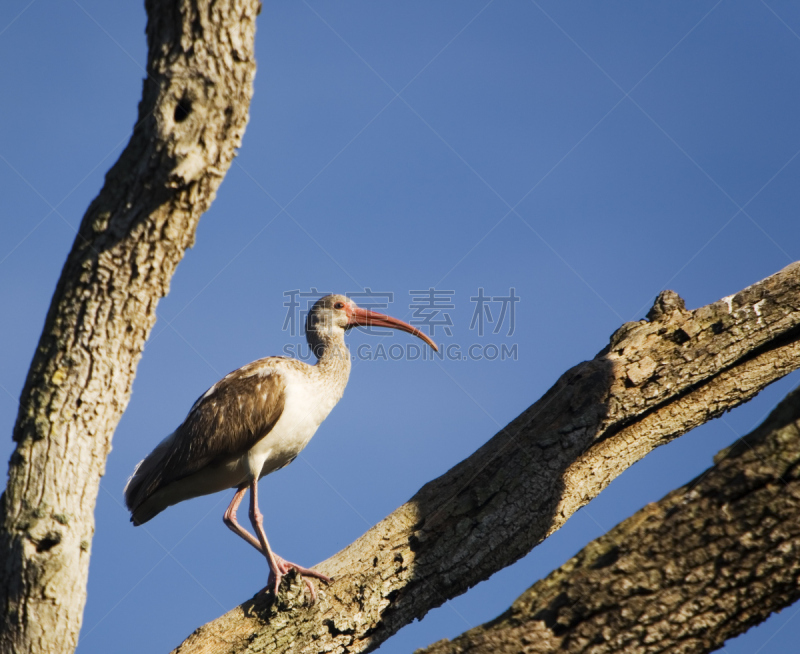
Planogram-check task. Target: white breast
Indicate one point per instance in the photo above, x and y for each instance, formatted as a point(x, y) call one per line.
point(307, 402)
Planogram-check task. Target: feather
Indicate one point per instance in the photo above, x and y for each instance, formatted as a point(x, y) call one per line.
point(227, 420)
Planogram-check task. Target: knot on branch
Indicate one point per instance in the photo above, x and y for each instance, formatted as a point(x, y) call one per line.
point(666, 303)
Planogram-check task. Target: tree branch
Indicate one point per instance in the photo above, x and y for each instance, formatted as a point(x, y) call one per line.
point(684, 574)
point(191, 118)
point(656, 380)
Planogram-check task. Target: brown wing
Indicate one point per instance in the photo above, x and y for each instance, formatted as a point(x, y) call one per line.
point(231, 417)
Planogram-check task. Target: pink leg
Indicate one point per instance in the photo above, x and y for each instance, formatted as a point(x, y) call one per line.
point(229, 518)
point(278, 566)
point(257, 520)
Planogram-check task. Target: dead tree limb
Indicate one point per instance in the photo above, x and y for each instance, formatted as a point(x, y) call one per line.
point(655, 380)
point(684, 574)
point(192, 116)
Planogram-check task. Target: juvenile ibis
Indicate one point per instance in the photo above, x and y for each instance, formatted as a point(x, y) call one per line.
point(252, 422)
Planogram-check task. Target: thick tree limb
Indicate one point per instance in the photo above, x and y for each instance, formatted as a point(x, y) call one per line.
point(192, 116)
point(684, 574)
point(655, 381)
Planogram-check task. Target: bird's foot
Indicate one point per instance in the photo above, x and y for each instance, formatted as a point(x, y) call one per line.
point(275, 576)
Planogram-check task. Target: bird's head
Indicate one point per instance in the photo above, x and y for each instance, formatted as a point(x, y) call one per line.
point(333, 315)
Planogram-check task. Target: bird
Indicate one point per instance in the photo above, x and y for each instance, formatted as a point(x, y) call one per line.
point(252, 422)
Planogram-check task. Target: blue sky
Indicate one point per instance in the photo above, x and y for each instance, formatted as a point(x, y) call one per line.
point(587, 155)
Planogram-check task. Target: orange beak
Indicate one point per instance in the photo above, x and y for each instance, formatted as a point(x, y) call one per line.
point(365, 318)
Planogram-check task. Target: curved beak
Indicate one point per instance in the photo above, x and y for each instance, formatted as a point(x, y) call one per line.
point(365, 318)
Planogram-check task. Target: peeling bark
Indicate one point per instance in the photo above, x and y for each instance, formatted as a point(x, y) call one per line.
point(657, 379)
point(684, 574)
point(191, 118)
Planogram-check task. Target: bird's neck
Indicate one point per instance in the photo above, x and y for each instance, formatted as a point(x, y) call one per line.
point(332, 352)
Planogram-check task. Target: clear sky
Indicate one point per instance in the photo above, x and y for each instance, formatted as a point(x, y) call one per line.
point(585, 155)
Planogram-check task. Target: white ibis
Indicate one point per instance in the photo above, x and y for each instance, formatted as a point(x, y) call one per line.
point(252, 422)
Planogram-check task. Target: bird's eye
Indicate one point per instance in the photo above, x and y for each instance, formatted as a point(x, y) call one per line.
point(339, 305)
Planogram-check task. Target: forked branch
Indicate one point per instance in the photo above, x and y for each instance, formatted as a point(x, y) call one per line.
point(684, 574)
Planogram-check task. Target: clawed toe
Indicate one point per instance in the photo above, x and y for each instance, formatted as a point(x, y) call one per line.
point(283, 566)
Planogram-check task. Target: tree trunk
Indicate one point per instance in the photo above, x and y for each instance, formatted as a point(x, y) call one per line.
point(656, 380)
point(192, 116)
point(685, 574)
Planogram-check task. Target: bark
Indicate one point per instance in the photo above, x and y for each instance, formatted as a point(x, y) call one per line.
point(191, 118)
point(656, 380)
point(684, 574)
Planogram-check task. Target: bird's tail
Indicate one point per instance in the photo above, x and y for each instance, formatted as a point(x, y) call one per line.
point(144, 482)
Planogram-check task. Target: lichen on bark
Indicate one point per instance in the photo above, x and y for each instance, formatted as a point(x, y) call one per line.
point(192, 116)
